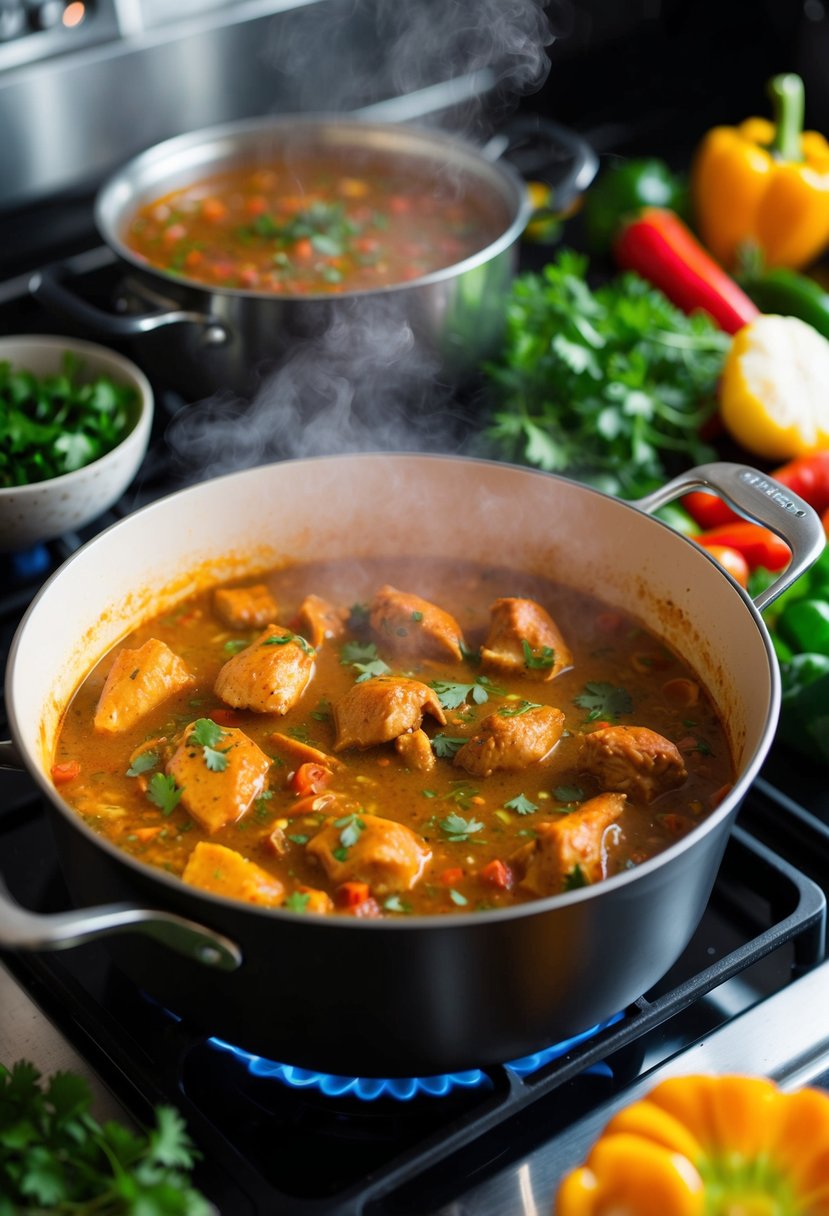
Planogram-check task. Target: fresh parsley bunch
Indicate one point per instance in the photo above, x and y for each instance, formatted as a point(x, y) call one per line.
point(609, 386)
point(56, 1159)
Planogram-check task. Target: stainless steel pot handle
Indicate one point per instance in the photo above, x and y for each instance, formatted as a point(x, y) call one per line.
point(47, 285)
point(22, 930)
point(761, 499)
point(545, 150)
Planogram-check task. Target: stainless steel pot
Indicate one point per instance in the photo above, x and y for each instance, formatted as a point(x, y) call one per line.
point(424, 994)
point(209, 338)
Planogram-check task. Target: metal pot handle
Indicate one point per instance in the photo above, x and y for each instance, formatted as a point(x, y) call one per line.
point(23, 930)
point(48, 286)
point(762, 500)
point(547, 151)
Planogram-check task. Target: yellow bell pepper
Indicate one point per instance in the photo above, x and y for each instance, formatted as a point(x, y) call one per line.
point(772, 390)
point(764, 185)
point(708, 1146)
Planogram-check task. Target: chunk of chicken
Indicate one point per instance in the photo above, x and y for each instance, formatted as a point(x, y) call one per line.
point(216, 796)
point(569, 850)
point(270, 675)
point(378, 710)
point(511, 743)
point(319, 620)
point(416, 749)
point(296, 752)
point(412, 626)
point(367, 848)
point(632, 760)
point(246, 607)
point(524, 638)
point(137, 682)
point(223, 871)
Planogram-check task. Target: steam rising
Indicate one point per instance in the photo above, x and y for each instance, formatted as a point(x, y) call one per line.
point(362, 382)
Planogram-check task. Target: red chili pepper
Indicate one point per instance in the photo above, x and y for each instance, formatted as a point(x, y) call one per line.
point(225, 717)
point(758, 545)
point(663, 250)
point(310, 778)
point(68, 770)
point(451, 876)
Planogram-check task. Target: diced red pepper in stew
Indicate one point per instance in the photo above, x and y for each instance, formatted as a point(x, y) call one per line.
point(310, 778)
point(67, 770)
point(351, 894)
point(497, 873)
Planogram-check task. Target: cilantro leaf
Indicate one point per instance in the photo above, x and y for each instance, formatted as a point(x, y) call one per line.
point(352, 828)
point(163, 791)
point(215, 760)
point(610, 386)
point(143, 763)
point(575, 878)
point(297, 901)
point(457, 828)
point(538, 659)
point(602, 700)
point(451, 695)
point(206, 732)
point(445, 746)
point(568, 793)
point(521, 805)
point(522, 707)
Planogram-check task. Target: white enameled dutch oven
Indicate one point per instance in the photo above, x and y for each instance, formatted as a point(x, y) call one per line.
point(414, 995)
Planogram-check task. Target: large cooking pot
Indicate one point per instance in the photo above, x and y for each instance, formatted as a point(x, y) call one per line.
point(422, 994)
point(206, 338)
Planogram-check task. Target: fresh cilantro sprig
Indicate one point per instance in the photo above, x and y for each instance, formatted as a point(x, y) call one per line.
point(540, 658)
point(363, 657)
point(56, 1158)
point(521, 804)
point(610, 386)
point(452, 696)
point(458, 829)
point(602, 700)
point(446, 746)
point(163, 791)
point(207, 734)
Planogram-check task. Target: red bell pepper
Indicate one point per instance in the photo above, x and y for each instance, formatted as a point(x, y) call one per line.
point(807, 476)
point(663, 250)
point(731, 560)
point(758, 545)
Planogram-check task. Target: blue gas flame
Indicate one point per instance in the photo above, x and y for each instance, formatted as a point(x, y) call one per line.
point(403, 1089)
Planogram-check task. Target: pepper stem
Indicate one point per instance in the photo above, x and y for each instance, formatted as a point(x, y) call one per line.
point(788, 101)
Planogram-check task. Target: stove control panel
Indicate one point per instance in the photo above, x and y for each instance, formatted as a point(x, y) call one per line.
point(32, 30)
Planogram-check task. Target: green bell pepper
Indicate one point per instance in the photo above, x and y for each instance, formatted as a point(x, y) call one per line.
point(804, 625)
point(621, 190)
point(804, 710)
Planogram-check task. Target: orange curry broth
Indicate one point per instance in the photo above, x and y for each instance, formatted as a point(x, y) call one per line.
point(319, 224)
point(609, 649)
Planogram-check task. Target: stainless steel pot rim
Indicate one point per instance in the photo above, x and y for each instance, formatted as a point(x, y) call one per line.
point(459, 919)
point(118, 194)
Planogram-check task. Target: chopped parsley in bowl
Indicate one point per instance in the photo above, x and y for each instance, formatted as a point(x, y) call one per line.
point(75, 421)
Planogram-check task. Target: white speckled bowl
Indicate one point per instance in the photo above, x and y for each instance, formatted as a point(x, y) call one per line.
point(45, 509)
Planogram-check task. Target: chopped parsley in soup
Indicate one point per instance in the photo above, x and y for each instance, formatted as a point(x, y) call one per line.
point(392, 737)
point(318, 223)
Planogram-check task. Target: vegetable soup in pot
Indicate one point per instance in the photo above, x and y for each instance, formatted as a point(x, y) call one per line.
point(392, 737)
point(321, 222)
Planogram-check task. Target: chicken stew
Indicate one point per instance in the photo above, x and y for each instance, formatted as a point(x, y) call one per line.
point(390, 738)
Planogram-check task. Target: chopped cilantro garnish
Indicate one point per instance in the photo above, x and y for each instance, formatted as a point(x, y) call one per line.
point(163, 791)
point(234, 645)
point(357, 652)
point(521, 805)
point(458, 829)
point(299, 838)
point(206, 732)
point(575, 878)
point(538, 659)
point(445, 746)
point(417, 617)
point(452, 695)
point(215, 760)
point(461, 793)
point(603, 700)
point(513, 711)
point(369, 670)
point(351, 827)
point(143, 763)
point(568, 793)
point(284, 639)
point(297, 901)
point(394, 903)
point(459, 900)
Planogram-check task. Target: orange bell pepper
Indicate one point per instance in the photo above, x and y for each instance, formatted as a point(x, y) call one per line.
point(708, 1146)
point(764, 184)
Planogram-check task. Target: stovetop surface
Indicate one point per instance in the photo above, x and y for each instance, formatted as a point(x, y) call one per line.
point(488, 1148)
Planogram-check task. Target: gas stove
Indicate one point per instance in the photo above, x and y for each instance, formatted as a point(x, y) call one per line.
point(749, 993)
point(745, 995)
